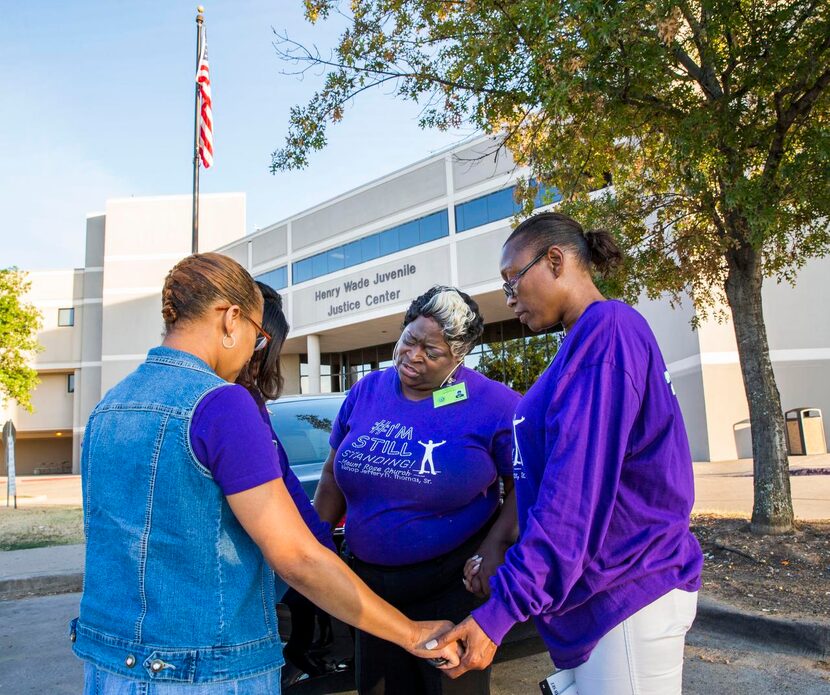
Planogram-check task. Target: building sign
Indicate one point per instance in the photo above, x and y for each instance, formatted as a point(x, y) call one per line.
point(378, 287)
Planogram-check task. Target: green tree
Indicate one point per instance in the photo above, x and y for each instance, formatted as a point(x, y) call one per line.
point(518, 362)
point(19, 323)
point(709, 117)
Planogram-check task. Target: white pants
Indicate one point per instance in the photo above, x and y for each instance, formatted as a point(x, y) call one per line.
point(643, 655)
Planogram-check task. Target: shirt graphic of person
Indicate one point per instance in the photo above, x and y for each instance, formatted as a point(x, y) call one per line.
point(427, 459)
point(518, 464)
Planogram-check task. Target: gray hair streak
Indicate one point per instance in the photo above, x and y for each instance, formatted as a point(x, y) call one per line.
point(455, 312)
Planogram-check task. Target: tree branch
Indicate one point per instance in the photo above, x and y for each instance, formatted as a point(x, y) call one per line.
point(798, 108)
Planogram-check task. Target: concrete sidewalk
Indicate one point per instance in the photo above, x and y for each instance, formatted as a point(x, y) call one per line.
point(54, 570)
point(44, 490)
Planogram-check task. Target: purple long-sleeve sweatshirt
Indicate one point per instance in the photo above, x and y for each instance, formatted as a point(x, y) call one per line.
point(604, 489)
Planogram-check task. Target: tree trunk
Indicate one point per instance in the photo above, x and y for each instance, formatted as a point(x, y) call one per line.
point(772, 511)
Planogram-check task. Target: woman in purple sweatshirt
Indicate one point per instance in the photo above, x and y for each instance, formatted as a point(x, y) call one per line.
point(605, 563)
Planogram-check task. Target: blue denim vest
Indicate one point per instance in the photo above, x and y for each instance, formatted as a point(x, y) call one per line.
point(174, 589)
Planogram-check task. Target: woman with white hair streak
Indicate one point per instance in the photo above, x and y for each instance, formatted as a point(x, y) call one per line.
point(417, 455)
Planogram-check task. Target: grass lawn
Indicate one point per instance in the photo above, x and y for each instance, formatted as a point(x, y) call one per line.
point(36, 527)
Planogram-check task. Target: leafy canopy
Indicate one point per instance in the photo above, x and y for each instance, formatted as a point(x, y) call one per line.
point(519, 362)
point(709, 116)
point(19, 323)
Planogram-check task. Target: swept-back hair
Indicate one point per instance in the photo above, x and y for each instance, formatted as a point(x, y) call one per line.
point(197, 282)
point(596, 248)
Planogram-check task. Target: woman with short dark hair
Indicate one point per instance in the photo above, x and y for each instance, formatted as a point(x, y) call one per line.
point(418, 453)
point(605, 562)
point(262, 376)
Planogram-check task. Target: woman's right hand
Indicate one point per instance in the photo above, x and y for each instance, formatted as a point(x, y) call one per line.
point(428, 631)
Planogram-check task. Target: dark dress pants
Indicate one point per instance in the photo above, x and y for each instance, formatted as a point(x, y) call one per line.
point(430, 590)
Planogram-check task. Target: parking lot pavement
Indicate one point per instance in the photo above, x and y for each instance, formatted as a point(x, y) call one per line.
point(35, 652)
point(36, 659)
point(715, 663)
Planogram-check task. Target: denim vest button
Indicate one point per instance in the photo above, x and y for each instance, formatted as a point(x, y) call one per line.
point(130, 661)
point(157, 665)
point(72, 636)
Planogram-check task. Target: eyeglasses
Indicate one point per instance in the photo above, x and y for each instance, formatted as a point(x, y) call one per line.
point(509, 287)
point(262, 338)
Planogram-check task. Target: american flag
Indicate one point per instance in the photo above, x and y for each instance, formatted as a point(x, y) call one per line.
point(206, 115)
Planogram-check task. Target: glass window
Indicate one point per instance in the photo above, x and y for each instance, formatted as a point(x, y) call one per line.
point(319, 265)
point(471, 214)
point(433, 226)
point(370, 247)
point(409, 234)
point(301, 271)
point(66, 317)
point(500, 205)
point(337, 259)
point(276, 279)
point(546, 196)
point(352, 254)
point(389, 241)
point(70, 383)
point(383, 243)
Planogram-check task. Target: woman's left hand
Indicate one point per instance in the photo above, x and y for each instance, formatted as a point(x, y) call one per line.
point(477, 651)
point(480, 567)
point(449, 656)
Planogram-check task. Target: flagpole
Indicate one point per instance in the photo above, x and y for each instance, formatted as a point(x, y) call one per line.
point(195, 236)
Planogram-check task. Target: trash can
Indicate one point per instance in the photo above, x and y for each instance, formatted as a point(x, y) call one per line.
point(805, 432)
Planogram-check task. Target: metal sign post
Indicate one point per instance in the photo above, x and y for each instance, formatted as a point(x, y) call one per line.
point(9, 432)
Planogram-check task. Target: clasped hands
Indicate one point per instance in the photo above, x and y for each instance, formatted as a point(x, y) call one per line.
point(465, 647)
point(456, 650)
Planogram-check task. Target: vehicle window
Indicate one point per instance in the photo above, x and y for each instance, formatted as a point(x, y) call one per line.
point(304, 427)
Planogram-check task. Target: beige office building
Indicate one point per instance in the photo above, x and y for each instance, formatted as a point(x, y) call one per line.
point(348, 269)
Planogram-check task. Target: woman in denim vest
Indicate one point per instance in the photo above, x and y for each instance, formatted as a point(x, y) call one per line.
point(186, 514)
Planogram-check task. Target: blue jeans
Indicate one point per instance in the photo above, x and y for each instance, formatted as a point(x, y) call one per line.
point(100, 682)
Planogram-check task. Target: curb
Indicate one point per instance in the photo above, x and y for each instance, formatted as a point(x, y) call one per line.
point(803, 636)
point(12, 588)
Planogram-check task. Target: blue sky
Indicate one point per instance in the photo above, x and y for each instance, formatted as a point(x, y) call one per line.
point(97, 103)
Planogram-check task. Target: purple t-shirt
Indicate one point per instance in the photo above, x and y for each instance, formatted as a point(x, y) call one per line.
point(604, 489)
point(230, 439)
point(420, 480)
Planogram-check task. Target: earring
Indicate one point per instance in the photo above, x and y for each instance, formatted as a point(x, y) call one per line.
point(233, 342)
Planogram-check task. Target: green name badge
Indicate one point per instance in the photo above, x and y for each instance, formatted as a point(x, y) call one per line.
point(449, 394)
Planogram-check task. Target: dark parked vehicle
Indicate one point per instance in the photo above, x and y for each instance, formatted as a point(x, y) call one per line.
point(303, 424)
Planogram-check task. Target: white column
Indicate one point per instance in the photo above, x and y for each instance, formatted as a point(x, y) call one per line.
point(313, 352)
